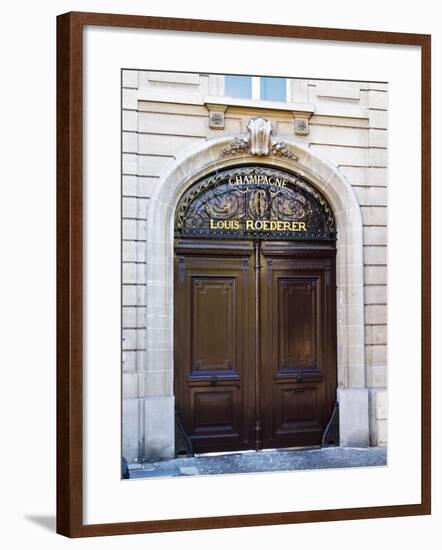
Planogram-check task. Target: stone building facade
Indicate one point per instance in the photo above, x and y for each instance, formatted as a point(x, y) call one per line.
point(176, 127)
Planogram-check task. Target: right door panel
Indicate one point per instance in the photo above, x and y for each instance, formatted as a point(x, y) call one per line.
point(298, 335)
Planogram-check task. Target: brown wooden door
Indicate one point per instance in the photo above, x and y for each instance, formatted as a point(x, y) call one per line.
point(298, 342)
point(214, 343)
point(255, 343)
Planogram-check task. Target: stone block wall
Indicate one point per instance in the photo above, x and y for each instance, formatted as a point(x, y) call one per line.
point(163, 114)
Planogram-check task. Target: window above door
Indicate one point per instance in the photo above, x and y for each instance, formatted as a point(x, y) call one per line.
point(266, 88)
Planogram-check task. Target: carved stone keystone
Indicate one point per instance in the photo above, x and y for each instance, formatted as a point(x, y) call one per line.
point(260, 130)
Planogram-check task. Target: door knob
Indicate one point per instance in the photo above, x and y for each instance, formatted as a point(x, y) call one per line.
point(213, 381)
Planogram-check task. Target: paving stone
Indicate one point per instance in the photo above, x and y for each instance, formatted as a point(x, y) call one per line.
point(265, 461)
point(155, 472)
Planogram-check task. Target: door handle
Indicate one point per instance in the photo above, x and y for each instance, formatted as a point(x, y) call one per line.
point(214, 381)
point(299, 377)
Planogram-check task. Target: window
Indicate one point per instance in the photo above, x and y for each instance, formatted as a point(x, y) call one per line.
point(255, 87)
point(273, 89)
point(238, 86)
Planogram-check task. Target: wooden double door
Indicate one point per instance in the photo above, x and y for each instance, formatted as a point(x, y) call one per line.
point(254, 342)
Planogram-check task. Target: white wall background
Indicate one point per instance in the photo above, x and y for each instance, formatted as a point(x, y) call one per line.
point(27, 289)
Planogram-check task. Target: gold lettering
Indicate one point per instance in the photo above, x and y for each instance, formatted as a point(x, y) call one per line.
point(257, 225)
point(261, 179)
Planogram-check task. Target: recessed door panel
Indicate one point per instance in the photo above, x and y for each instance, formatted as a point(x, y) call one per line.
point(297, 415)
point(216, 416)
point(299, 317)
point(213, 323)
point(213, 411)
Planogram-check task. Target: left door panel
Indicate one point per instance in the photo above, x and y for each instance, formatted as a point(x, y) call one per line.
point(213, 345)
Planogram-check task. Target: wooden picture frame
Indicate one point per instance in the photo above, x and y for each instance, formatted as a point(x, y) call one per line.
point(70, 269)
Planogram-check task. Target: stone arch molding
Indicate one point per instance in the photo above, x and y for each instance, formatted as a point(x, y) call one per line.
point(196, 162)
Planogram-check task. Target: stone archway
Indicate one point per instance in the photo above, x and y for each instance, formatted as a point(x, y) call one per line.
point(194, 163)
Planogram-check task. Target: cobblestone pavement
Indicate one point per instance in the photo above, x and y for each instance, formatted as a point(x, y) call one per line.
point(264, 461)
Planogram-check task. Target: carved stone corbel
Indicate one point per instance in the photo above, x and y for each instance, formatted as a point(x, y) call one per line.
point(301, 125)
point(216, 116)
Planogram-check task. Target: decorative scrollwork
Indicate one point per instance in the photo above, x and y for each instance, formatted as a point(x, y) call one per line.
point(280, 149)
point(240, 144)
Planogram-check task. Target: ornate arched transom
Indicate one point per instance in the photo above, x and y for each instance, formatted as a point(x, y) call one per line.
point(257, 202)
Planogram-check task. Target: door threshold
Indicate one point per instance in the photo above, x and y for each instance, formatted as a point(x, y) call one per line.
point(226, 453)
point(253, 451)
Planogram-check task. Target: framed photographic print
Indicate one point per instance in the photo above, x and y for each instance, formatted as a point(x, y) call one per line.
point(243, 274)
